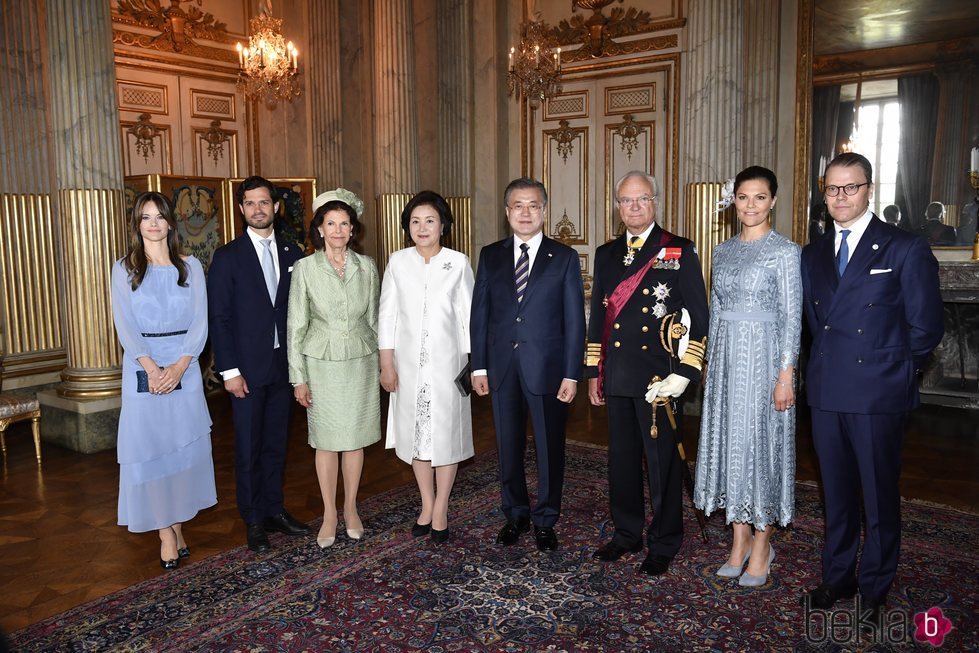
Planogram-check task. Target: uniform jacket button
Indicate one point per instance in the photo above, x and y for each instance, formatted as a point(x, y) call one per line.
point(859, 332)
point(827, 327)
point(617, 343)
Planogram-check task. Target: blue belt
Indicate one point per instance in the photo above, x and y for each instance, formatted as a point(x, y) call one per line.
point(747, 316)
point(164, 335)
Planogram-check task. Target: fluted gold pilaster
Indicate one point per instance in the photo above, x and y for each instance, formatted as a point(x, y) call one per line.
point(94, 242)
point(461, 237)
point(324, 72)
point(395, 126)
point(390, 235)
point(31, 309)
point(705, 226)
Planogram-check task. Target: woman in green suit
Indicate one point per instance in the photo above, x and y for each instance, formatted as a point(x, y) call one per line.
point(332, 348)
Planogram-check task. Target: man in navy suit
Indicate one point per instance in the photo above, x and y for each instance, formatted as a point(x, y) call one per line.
point(648, 298)
point(528, 335)
point(873, 305)
point(248, 291)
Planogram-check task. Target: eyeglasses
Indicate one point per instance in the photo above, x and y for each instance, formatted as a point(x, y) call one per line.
point(849, 189)
point(645, 200)
point(532, 207)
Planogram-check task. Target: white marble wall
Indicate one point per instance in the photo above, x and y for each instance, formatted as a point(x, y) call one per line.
point(761, 77)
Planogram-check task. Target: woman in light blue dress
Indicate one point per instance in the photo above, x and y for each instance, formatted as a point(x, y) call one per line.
point(159, 305)
point(746, 455)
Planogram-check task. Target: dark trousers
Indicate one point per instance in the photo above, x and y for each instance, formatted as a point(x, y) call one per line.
point(629, 422)
point(511, 404)
point(261, 432)
point(860, 453)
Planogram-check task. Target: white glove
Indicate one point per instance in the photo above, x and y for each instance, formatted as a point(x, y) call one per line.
point(671, 386)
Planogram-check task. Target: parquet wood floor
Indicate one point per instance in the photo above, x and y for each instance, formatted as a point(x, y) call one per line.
point(60, 545)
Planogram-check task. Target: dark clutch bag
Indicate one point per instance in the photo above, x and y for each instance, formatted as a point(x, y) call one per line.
point(464, 382)
point(143, 382)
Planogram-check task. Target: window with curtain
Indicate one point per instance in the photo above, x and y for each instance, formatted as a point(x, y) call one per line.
point(878, 138)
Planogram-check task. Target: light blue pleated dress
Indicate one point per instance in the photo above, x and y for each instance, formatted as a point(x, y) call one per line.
point(166, 474)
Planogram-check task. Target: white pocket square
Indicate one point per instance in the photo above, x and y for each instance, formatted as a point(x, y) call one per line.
point(880, 271)
point(290, 269)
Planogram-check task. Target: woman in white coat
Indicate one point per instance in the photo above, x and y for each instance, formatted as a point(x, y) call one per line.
point(423, 337)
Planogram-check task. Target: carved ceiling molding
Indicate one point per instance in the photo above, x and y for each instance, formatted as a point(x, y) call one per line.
point(616, 48)
point(903, 56)
point(175, 24)
point(149, 42)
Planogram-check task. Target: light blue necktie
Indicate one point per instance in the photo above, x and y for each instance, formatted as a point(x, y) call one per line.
point(843, 255)
point(268, 269)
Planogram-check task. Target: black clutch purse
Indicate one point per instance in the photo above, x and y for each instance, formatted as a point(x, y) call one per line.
point(464, 382)
point(143, 382)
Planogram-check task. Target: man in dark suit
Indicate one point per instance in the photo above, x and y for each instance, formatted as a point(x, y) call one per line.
point(248, 290)
point(648, 319)
point(873, 305)
point(528, 335)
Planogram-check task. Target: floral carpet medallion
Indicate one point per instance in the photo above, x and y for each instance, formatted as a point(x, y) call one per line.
point(391, 592)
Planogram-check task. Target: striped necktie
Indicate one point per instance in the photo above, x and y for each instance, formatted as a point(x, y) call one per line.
point(522, 272)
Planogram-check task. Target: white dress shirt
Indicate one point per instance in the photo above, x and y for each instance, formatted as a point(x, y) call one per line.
point(856, 233)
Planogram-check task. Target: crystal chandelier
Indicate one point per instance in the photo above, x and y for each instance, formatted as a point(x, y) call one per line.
point(269, 65)
point(535, 66)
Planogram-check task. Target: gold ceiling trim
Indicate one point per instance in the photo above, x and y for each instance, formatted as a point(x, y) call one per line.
point(190, 49)
point(175, 25)
point(922, 55)
point(617, 48)
point(571, 33)
point(622, 66)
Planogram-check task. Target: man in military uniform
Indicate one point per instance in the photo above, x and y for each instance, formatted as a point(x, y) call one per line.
point(648, 296)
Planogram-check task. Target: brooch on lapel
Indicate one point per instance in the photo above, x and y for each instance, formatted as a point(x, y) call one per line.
point(875, 246)
point(668, 259)
point(447, 265)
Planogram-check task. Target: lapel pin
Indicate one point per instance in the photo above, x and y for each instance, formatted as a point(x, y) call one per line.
point(875, 246)
point(286, 248)
point(549, 255)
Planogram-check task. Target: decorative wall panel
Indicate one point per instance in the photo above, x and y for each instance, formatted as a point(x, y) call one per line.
point(629, 145)
point(215, 160)
point(567, 105)
point(144, 98)
point(566, 178)
point(630, 99)
point(144, 159)
point(210, 105)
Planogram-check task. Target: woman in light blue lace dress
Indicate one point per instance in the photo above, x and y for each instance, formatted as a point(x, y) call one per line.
point(746, 456)
point(159, 306)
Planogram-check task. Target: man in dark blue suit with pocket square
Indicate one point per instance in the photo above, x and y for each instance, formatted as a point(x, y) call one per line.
point(873, 304)
point(248, 291)
point(528, 339)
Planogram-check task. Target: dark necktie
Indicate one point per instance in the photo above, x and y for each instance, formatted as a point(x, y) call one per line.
point(843, 254)
point(522, 271)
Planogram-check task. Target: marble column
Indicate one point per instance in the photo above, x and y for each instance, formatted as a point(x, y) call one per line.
point(455, 96)
point(31, 343)
point(85, 134)
point(395, 125)
point(761, 81)
point(712, 92)
point(324, 73)
point(83, 413)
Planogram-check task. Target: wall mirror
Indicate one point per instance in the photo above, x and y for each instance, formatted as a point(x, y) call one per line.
point(898, 81)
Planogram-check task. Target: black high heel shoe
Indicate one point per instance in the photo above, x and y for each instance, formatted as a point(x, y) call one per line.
point(170, 564)
point(183, 553)
point(440, 537)
point(418, 530)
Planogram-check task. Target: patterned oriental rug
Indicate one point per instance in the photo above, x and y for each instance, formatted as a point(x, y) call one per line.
point(390, 592)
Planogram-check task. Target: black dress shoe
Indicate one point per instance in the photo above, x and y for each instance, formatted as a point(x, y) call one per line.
point(440, 537)
point(824, 596)
point(169, 564)
point(285, 523)
point(511, 531)
point(612, 550)
point(420, 530)
point(546, 538)
point(655, 565)
point(870, 609)
point(258, 540)
point(184, 552)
